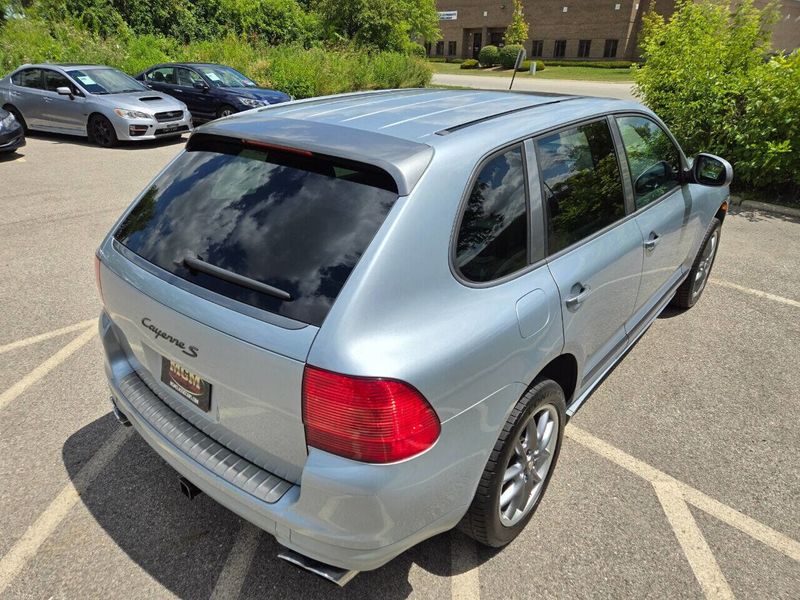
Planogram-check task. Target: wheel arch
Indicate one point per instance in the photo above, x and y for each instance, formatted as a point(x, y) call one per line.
point(563, 369)
point(8, 106)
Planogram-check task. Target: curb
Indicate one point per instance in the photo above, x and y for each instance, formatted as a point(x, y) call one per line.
point(777, 209)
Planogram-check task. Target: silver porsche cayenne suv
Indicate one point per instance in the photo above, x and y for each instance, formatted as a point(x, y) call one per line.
point(359, 321)
point(101, 103)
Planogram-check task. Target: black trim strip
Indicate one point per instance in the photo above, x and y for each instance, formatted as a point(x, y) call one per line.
point(466, 124)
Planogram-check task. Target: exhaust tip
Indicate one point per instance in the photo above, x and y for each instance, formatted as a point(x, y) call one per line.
point(119, 415)
point(328, 572)
point(188, 489)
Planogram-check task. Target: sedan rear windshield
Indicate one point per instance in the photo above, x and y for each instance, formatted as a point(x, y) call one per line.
point(271, 218)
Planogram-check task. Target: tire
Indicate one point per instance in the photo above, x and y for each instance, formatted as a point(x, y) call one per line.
point(691, 290)
point(18, 117)
point(101, 131)
point(225, 110)
point(491, 519)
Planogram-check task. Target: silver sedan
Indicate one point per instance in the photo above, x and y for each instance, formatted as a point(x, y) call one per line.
point(100, 102)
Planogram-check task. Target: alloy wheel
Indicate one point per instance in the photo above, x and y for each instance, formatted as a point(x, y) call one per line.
point(529, 464)
point(704, 266)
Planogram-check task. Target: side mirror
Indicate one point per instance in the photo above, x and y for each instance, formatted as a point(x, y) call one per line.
point(200, 85)
point(711, 170)
point(64, 91)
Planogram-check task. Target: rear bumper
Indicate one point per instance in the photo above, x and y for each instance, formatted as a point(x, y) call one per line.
point(347, 514)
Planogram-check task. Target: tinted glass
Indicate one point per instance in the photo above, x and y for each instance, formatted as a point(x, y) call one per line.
point(581, 183)
point(106, 81)
point(187, 77)
point(493, 238)
point(653, 159)
point(293, 222)
point(54, 80)
point(30, 78)
point(161, 75)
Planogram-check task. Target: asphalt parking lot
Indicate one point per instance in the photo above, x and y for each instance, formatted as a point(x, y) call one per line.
point(679, 478)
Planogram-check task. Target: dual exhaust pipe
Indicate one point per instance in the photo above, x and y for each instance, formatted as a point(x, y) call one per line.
point(328, 572)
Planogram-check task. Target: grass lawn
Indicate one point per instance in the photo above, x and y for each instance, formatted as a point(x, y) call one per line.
point(576, 72)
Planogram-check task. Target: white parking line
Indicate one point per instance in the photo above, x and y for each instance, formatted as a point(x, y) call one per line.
point(26, 547)
point(755, 529)
point(464, 581)
point(753, 292)
point(46, 336)
point(691, 539)
point(231, 578)
point(43, 369)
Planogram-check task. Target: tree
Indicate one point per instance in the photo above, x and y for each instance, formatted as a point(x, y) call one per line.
point(517, 31)
point(383, 24)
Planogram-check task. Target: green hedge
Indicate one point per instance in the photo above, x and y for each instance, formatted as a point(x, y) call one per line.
point(526, 66)
point(489, 56)
point(595, 64)
point(437, 59)
point(293, 69)
point(508, 55)
point(470, 63)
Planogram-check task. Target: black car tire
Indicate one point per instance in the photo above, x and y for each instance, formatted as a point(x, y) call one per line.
point(18, 117)
point(691, 290)
point(483, 522)
point(225, 111)
point(101, 131)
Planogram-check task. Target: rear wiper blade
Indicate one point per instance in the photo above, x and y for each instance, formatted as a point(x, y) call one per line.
point(195, 264)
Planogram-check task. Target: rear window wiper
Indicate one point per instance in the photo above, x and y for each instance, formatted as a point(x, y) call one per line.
point(195, 264)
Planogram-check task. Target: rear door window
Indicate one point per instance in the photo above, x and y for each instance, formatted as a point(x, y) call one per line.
point(29, 78)
point(493, 236)
point(162, 75)
point(296, 222)
point(581, 183)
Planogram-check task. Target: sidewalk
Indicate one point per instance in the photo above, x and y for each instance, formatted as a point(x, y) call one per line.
point(624, 91)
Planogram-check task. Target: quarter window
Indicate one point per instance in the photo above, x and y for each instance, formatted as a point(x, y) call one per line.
point(493, 237)
point(581, 183)
point(653, 159)
point(30, 78)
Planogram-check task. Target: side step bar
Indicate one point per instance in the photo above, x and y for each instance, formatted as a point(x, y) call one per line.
point(338, 576)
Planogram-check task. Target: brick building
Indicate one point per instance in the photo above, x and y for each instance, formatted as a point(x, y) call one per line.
point(570, 29)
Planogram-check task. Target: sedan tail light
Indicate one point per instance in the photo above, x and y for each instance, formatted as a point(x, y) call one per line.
point(366, 419)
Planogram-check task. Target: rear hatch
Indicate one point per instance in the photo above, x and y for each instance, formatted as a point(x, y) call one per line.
point(219, 277)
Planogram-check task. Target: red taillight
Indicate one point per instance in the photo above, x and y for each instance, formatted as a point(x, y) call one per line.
point(97, 277)
point(370, 420)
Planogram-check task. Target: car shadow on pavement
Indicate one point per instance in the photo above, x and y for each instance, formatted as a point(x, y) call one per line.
point(11, 156)
point(61, 138)
point(184, 544)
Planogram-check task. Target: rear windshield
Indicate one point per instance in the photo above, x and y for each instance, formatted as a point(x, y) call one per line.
point(295, 222)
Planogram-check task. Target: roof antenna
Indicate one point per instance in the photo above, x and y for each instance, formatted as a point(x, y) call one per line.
point(517, 64)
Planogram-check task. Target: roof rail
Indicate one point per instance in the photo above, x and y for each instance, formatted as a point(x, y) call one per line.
point(454, 128)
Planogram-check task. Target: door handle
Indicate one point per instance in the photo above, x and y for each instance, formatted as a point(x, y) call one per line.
point(574, 302)
point(651, 243)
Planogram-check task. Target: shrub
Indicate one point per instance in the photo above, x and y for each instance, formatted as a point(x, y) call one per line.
point(417, 50)
point(437, 59)
point(526, 65)
point(455, 61)
point(489, 56)
point(470, 63)
point(595, 64)
point(508, 55)
point(705, 75)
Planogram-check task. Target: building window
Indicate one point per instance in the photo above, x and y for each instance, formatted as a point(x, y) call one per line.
point(451, 48)
point(610, 50)
point(584, 47)
point(497, 38)
point(560, 49)
point(537, 48)
point(439, 48)
point(427, 48)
